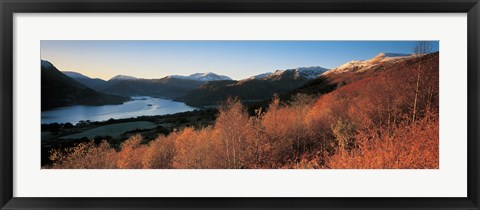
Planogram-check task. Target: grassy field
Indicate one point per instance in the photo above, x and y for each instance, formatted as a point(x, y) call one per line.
point(113, 130)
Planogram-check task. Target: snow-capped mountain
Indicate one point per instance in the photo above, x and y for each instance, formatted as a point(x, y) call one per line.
point(123, 77)
point(75, 75)
point(204, 77)
point(311, 72)
point(260, 76)
point(364, 65)
point(306, 72)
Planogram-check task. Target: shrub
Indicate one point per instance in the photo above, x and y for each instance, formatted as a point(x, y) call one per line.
point(131, 153)
point(159, 153)
point(84, 156)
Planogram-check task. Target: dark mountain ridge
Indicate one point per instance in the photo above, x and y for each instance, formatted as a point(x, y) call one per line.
point(57, 90)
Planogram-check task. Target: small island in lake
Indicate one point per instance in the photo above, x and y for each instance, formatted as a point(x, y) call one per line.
point(239, 104)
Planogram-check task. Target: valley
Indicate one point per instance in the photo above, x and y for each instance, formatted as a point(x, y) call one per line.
point(306, 117)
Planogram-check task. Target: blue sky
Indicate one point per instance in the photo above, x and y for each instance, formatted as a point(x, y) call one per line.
point(236, 59)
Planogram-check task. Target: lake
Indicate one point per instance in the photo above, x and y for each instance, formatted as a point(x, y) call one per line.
point(138, 106)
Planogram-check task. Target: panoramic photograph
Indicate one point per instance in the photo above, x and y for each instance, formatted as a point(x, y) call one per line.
point(153, 104)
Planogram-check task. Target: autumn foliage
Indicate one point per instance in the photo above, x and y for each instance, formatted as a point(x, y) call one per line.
point(387, 119)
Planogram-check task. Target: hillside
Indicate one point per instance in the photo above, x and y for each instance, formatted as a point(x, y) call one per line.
point(353, 71)
point(57, 90)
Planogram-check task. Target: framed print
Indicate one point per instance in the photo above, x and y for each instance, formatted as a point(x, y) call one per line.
point(239, 105)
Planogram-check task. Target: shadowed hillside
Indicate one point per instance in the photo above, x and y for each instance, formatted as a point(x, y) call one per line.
point(60, 90)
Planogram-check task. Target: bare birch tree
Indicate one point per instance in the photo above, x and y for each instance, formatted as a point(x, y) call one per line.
point(423, 47)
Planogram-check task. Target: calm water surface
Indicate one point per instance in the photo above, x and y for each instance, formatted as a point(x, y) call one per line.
point(139, 106)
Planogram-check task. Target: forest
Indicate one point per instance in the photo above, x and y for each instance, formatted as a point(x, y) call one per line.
point(384, 118)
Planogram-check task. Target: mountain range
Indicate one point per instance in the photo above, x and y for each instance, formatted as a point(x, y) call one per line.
point(204, 77)
point(206, 89)
point(253, 89)
point(167, 87)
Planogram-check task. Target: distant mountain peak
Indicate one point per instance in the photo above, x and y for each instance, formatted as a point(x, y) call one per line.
point(310, 72)
point(311, 68)
point(202, 74)
point(123, 77)
point(364, 65)
point(204, 77)
point(75, 75)
point(260, 76)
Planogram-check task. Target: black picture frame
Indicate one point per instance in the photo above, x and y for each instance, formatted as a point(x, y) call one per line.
point(9, 7)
